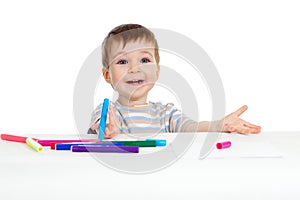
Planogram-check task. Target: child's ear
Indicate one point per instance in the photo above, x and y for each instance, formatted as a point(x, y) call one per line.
point(106, 76)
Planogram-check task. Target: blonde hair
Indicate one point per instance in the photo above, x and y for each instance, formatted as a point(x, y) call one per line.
point(127, 33)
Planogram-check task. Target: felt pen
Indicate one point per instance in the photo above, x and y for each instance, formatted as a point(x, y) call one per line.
point(14, 138)
point(34, 145)
point(53, 144)
point(68, 146)
point(144, 143)
point(139, 143)
point(21, 139)
point(46, 143)
point(107, 149)
point(102, 124)
point(158, 142)
point(223, 145)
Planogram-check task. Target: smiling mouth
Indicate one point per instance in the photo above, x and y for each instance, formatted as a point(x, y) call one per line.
point(135, 82)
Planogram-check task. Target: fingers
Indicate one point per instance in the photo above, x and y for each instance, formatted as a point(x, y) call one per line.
point(95, 127)
point(111, 115)
point(114, 118)
point(235, 124)
point(249, 125)
point(111, 126)
point(253, 128)
point(245, 128)
point(241, 110)
point(108, 134)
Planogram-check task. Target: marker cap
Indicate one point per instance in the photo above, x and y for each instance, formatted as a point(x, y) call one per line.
point(223, 145)
point(160, 143)
point(34, 145)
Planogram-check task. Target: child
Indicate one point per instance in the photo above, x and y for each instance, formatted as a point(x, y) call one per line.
point(130, 61)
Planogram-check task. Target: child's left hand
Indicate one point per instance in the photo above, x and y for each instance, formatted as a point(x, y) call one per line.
point(233, 123)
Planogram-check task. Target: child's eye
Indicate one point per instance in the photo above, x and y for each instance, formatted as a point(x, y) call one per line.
point(122, 62)
point(145, 60)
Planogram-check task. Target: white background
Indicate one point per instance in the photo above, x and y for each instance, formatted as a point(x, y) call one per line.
point(255, 46)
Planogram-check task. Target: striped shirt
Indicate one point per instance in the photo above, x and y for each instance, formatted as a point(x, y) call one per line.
point(149, 118)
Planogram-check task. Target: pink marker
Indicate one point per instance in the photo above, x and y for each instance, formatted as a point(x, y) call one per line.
point(223, 145)
point(49, 142)
point(15, 138)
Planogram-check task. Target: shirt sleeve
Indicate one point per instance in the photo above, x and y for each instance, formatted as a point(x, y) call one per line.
point(176, 119)
point(96, 115)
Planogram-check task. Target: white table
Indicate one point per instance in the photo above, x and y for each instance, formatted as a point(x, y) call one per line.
point(57, 175)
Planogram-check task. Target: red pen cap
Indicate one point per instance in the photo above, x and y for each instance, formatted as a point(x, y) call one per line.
point(52, 145)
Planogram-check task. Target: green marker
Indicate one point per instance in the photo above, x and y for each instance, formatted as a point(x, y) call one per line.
point(147, 143)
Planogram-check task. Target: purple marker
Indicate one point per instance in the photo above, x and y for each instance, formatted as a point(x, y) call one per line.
point(105, 149)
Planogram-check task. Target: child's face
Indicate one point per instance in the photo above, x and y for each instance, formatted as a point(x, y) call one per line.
point(133, 70)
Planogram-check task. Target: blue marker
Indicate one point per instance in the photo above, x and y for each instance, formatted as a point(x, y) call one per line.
point(69, 145)
point(102, 124)
point(159, 143)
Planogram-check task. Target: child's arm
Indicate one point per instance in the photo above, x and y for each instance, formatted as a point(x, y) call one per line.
point(230, 123)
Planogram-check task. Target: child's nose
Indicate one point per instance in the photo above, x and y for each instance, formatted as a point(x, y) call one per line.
point(135, 67)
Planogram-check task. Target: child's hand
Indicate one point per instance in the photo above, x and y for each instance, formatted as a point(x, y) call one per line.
point(232, 123)
point(112, 126)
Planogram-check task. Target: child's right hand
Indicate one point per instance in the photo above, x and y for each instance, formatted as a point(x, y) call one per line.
point(112, 125)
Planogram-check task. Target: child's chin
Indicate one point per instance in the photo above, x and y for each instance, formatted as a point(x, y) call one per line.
point(137, 93)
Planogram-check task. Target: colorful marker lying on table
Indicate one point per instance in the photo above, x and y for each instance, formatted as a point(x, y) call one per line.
point(21, 139)
point(34, 145)
point(46, 143)
point(15, 138)
point(102, 124)
point(107, 149)
point(146, 143)
point(150, 143)
point(86, 145)
point(223, 145)
point(159, 143)
point(69, 146)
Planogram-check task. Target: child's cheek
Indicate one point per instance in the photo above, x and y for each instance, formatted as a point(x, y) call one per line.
point(116, 77)
point(151, 72)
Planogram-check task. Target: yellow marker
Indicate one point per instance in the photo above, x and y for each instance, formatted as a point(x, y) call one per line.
point(34, 145)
